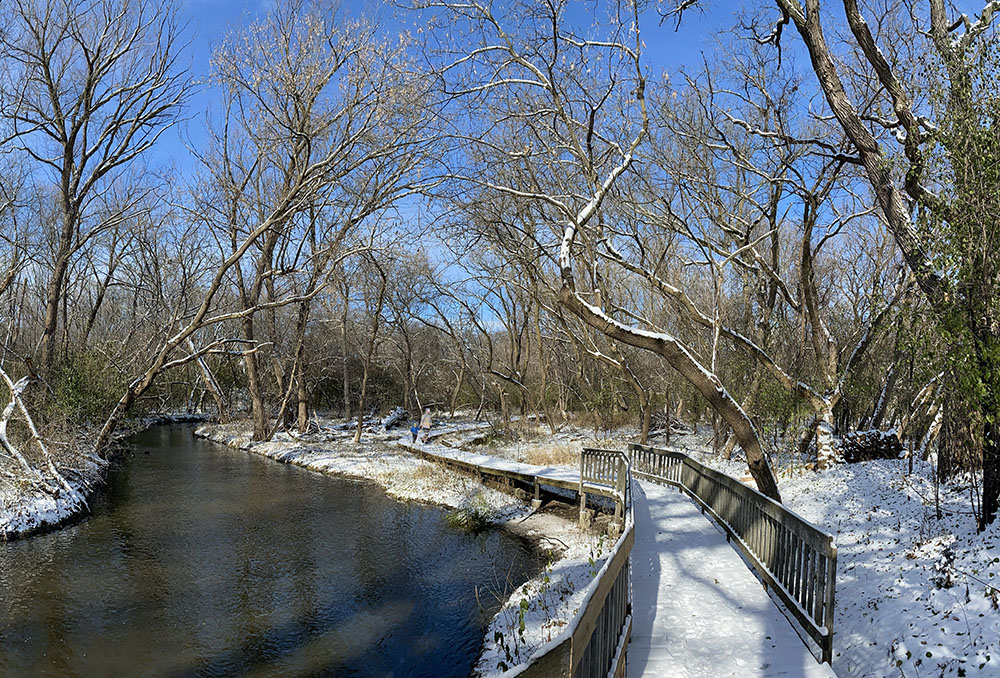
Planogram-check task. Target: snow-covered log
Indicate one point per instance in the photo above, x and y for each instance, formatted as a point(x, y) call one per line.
point(395, 417)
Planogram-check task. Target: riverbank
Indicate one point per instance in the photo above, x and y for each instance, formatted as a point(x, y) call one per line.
point(25, 512)
point(915, 592)
point(533, 613)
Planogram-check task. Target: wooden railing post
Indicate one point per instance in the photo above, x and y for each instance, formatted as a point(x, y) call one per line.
point(829, 603)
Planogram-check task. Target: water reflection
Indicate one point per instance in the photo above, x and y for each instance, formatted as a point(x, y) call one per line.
point(204, 561)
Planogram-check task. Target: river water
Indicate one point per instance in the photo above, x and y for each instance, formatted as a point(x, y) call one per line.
point(200, 560)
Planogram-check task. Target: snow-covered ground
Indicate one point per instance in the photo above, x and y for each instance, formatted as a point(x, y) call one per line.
point(916, 596)
point(540, 609)
point(402, 475)
point(22, 513)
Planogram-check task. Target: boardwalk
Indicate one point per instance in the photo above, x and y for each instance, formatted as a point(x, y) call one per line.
point(697, 609)
point(550, 476)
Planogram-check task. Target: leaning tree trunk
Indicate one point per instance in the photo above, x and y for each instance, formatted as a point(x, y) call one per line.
point(457, 391)
point(211, 385)
point(707, 383)
point(748, 400)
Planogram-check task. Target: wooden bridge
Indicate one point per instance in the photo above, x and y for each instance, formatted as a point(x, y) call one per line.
point(792, 558)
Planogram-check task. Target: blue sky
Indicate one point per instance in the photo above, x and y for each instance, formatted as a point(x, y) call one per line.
point(209, 21)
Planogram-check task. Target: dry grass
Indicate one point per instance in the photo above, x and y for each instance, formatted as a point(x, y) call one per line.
point(428, 471)
point(552, 454)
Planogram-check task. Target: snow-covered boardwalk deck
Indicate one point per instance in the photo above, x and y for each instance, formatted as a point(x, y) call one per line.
point(551, 476)
point(697, 610)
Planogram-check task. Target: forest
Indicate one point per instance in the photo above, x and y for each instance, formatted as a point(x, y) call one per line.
point(506, 208)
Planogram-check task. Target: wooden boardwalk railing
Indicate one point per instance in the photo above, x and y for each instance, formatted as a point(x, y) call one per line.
point(602, 469)
point(792, 556)
point(593, 644)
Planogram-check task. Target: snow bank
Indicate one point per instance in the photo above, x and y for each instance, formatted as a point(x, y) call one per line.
point(539, 610)
point(25, 512)
point(916, 595)
point(402, 475)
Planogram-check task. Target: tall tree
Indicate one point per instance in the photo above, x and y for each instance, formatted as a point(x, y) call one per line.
point(566, 115)
point(962, 294)
point(323, 118)
point(90, 86)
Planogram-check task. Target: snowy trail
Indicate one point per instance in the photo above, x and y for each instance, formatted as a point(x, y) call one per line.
point(697, 608)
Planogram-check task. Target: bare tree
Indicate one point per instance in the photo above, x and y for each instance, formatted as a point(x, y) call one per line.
point(90, 86)
point(744, 194)
point(374, 297)
point(959, 297)
point(320, 115)
point(568, 115)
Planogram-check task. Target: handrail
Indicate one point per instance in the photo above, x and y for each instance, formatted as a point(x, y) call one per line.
point(593, 643)
point(792, 556)
point(603, 471)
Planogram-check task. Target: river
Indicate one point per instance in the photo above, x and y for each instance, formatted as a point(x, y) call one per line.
point(200, 560)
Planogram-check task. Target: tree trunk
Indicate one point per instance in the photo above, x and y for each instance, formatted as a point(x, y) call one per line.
point(457, 390)
point(257, 406)
point(827, 453)
point(212, 386)
point(346, 374)
point(645, 415)
point(303, 410)
point(53, 297)
point(361, 398)
point(279, 374)
point(408, 381)
point(543, 366)
point(989, 405)
point(991, 469)
point(372, 341)
point(807, 436)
